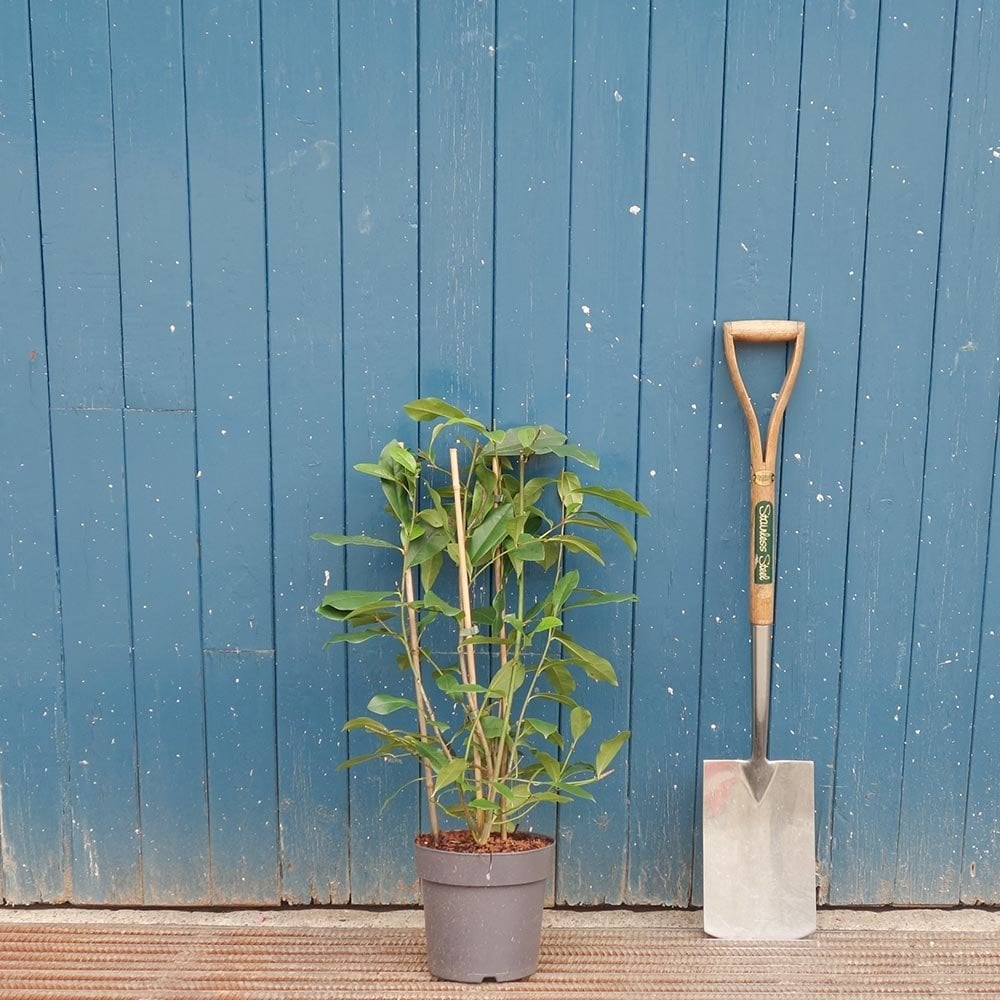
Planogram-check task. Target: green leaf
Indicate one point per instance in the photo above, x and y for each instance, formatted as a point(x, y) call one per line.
point(527, 549)
point(565, 586)
point(549, 764)
point(575, 788)
point(371, 469)
point(368, 725)
point(401, 455)
point(490, 533)
point(544, 440)
point(558, 673)
point(579, 722)
point(534, 488)
point(449, 774)
point(432, 408)
point(343, 602)
point(429, 570)
point(354, 637)
point(617, 497)
point(360, 759)
point(375, 543)
point(595, 666)
point(593, 520)
point(447, 682)
point(383, 704)
point(576, 544)
point(568, 450)
point(434, 517)
point(398, 504)
point(526, 436)
point(434, 603)
point(546, 623)
point(551, 797)
point(426, 547)
point(595, 597)
point(507, 680)
point(494, 728)
point(608, 750)
point(568, 487)
point(541, 726)
point(484, 805)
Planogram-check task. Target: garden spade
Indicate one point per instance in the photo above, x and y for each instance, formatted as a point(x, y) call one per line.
point(758, 817)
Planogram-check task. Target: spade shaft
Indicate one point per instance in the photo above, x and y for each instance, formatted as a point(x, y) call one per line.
point(758, 815)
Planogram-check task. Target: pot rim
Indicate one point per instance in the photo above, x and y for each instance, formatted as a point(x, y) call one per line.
point(487, 854)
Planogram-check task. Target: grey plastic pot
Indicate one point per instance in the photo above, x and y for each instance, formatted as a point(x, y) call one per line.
point(483, 912)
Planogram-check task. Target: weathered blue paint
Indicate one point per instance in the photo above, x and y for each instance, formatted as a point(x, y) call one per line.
point(34, 810)
point(970, 295)
point(302, 145)
point(379, 94)
point(838, 74)
point(682, 194)
point(88, 457)
point(222, 59)
point(534, 78)
point(147, 66)
point(242, 776)
point(957, 487)
point(457, 55)
point(605, 309)
point(238, 237)
point(756, 202)
point(890, 434)
point(166, 638)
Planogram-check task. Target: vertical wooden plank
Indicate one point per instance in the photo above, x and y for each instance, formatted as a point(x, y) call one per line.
point(533, 112)
point(380, 244)
point(239, 720)
point(222, 69)
point(981, 854)
point(891, 425)
point(834, 151)
point(72, 82)
point(457, 55)
point(151, 173)
point(93, 565)
point(34, 813)
point(763, 48)
point(682, 190)
point(605, 308)
point(166, 626)
point(957, 482)
point(531, 254)
point(302, 147)
point(78, 217)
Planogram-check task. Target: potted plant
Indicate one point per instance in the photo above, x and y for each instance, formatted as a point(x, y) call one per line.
point(496, 530)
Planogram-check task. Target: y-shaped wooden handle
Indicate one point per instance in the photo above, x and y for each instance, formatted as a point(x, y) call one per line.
point(763, 453)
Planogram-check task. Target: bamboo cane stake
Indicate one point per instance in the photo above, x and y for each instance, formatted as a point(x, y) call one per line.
point(422, 703)
point(466, 651)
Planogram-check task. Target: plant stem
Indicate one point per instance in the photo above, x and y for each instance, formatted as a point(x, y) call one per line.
point(498, 588)
point(421, 699)
point(466, 652)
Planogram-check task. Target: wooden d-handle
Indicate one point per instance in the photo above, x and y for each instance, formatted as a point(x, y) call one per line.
point(763, 453)
point(765, 331)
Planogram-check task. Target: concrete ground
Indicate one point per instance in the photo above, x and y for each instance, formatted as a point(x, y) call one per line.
point(950, 920)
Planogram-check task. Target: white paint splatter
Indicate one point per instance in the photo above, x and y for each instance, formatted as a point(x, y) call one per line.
point(634, 209)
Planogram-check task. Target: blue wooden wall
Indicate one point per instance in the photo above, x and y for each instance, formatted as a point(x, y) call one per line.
point(236, 237)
